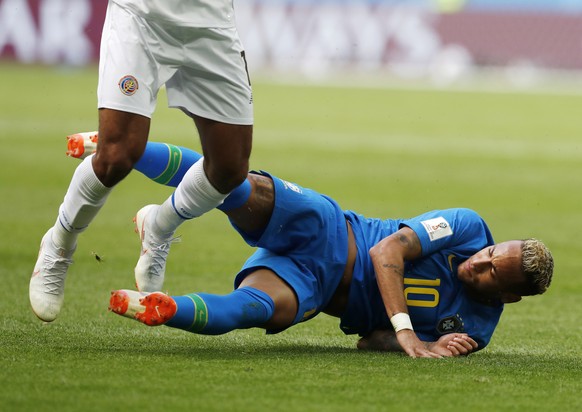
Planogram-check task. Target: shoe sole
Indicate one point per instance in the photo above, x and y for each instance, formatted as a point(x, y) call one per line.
point(153, 309)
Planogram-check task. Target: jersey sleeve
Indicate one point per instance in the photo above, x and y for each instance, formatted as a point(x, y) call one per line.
point(450, 229)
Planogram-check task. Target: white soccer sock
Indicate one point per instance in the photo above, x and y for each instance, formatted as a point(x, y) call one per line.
point(83, 200)
point(193, 197)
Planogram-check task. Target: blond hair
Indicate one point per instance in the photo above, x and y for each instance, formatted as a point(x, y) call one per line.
point(537, 264)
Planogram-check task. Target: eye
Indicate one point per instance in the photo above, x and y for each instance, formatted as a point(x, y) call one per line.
point(493, 268)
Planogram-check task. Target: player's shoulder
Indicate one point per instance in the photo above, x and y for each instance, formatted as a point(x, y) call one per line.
point(470, 225)
point(462, 215)
point(453, 223)
point(464, 212)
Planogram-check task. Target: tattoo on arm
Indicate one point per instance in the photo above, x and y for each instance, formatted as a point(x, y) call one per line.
point(409, 242)
point(405, 240)
point(396, 268)
point(264, 193)
point(411, 248)
point(254, 215)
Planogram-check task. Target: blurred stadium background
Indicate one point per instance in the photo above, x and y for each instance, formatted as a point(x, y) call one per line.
point(524, 42)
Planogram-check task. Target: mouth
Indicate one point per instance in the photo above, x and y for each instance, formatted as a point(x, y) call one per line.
point(466, 270)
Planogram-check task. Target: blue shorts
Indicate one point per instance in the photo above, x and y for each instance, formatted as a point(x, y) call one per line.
point(305, 244)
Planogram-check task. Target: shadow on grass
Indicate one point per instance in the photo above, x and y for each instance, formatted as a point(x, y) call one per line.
point(102, 340)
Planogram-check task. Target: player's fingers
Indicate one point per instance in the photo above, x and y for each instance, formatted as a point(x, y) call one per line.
point(424, 353)
point(456, 349)
point(468, 343)
point(461, 346)
point(430, 354)
point(463, 343)
point(466, 338)
point(473, 343)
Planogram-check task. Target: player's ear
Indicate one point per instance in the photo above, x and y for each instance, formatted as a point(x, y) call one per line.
point(510, 297)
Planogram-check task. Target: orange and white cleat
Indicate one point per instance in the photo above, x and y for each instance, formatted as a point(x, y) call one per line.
point(81, 145)
point(152, 309)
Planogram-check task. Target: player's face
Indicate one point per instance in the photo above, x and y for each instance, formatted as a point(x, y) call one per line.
point(493, 271)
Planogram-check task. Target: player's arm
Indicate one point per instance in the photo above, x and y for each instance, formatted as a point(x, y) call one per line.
point(388, 257)
point(450, 345)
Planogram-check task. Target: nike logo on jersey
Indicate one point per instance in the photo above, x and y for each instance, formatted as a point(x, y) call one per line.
point(450, 259)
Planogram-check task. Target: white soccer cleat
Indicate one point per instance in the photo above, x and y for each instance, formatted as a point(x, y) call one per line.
point(151, 266)
point(81, 145)
point(47, 284)
point(151, 309)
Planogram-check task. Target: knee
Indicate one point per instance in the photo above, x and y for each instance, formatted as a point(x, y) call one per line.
point(114, 160)
point(226, 176)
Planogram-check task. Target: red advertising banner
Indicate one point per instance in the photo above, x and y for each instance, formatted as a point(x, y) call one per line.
point(51, 31)
point(323, 36)
point(550, 40)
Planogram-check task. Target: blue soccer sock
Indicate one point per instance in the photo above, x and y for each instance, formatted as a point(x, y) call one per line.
point(167, 164)
point(208, 314)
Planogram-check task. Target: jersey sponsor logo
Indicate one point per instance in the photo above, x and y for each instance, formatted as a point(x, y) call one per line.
point(450, 324)
point(437, 228)
point(128, 85)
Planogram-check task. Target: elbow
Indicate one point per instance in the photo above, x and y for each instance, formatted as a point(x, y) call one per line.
point(380, 249)
point(375, 251)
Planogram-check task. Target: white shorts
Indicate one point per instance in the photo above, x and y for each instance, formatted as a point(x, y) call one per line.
point(204, 69)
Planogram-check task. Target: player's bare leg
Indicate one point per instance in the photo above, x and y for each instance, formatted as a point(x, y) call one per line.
point(205, 186)
point(123, 137)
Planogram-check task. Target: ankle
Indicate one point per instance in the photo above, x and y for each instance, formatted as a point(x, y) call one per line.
point(166, 220)
point(63, 239)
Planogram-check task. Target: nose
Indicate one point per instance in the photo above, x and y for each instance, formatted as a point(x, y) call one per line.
point(481, 261)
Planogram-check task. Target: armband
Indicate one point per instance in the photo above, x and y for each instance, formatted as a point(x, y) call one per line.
point(401, 321)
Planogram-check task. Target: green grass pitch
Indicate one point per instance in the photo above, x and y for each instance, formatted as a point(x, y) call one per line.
point(385, 152)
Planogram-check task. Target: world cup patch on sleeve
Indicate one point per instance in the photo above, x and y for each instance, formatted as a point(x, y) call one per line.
point(437, 228)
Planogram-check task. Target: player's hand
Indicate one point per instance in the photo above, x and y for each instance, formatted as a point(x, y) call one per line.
point(453, 344)
point(413, 346)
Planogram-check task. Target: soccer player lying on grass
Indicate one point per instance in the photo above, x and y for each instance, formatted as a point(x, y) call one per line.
point(431, 286)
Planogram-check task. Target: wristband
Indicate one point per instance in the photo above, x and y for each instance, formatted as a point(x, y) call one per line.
point(401, 321)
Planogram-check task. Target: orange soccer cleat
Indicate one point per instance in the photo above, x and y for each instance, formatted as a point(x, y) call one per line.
point(151, 309)
point(81, 145)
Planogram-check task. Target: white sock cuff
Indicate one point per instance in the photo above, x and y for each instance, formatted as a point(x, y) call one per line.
point(203, 183)
point(85, 196)
point(195, 195)
point(90, 181)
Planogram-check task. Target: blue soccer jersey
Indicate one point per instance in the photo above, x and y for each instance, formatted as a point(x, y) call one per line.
point(437, 301)
point(305, 243)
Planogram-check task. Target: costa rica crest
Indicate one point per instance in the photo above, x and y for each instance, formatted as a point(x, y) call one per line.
point(128, 85)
